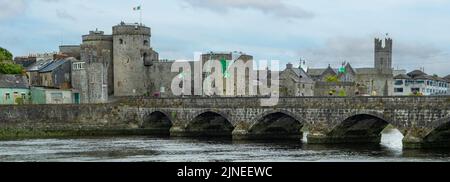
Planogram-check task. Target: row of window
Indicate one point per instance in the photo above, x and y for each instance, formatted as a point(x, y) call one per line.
point(146, 42)
point(78, 66)
point(16, 94)
point(428, 83)
point(415, 90)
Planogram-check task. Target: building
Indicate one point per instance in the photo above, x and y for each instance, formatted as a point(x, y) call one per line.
point(121, 64)
point(229, 60)
point(419, 83)
point(336, 82)
point(14, 89)
point(25, 61)
point(92, 76)
point(57, 74)
point(375, 81)
point(132, 58)
point(32, 71)
point(41, 95)
point(70, 51)
point(295, 82)
point(447, 78)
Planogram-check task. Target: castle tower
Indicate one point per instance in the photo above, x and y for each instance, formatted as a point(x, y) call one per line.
point(96, 54)
point(132, 57)
point(383, 55)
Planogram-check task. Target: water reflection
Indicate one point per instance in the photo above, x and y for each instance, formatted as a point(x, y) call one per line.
point(185, 150)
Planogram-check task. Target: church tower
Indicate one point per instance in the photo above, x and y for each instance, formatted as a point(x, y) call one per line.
point(383, 55)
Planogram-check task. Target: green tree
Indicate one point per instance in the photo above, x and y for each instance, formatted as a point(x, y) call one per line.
point(9, 68)
point(331, 78)
point(342, 93)
point(5, 55)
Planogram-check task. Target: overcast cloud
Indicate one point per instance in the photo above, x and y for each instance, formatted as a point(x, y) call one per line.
point(321, 31)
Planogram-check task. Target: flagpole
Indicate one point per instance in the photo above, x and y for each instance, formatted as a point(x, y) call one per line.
point(140, 12)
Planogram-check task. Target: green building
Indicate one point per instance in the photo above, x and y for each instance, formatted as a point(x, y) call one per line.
point(14, 89)
point(41, 95)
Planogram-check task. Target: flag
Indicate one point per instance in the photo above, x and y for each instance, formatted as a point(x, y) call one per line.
point(137, 8)
point(225, 64)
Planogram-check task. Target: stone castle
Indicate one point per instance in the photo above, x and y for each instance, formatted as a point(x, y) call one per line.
point(121, 64)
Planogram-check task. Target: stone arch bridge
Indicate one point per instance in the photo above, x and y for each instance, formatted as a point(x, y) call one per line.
point(424, 121)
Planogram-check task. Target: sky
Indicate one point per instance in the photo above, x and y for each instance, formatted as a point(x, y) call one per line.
point(320, 31)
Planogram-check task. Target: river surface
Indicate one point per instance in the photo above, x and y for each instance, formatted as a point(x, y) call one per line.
point(154, 149)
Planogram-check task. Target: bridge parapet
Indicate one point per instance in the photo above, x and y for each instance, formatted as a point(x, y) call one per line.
point(330, 119)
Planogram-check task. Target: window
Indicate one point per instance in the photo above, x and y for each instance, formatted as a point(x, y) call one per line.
point(121, 41)
point(398, 90)
point(56, 97)
point(78, 66)
point(7, 96)
point(398, 82)
point(23, 95)
point(415, 90)
point(145, 42)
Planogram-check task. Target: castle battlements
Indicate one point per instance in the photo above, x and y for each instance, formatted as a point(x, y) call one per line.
point(131, 29)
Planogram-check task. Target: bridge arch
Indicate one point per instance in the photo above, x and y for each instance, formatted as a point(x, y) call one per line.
point(159, 122)
point(210, 123)
point(440, 134)
point(360, 127)
point(277, 124)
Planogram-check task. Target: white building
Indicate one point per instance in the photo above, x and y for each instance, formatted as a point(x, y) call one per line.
point(418, 82)
point(447, 78)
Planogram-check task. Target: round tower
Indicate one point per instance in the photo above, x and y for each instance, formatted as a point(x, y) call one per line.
point(132, 56)
point(96, 53)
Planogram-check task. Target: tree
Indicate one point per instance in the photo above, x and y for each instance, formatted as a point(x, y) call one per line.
point(342, 93)
point(5, 55)
point(9, 68)
point(332, 78)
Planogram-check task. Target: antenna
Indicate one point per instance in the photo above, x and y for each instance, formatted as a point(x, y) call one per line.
point(140, 12)
point(62, 39)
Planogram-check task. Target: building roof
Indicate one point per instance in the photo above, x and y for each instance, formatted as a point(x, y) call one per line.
point(447, 78)
point(13, 81)
point(53, 65)
point(349, 69)
point(39, 65)
point(402, 76)
point(315, 71)
point(329, 70)
point(366, 71)
point(302, 74)
point(416, 73)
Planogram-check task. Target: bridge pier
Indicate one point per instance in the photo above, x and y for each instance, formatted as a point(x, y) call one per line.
point(417, 138)
point(179, 130)
point(324, 134)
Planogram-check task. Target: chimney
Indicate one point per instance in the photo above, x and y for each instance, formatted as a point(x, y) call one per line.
point(289, 66)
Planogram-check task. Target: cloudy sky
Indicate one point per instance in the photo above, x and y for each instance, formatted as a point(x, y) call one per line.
point(321, 31)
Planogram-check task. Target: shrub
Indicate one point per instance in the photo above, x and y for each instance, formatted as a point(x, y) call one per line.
point(342, 93)
point(332, 78)
point(9, 68)
point(5, 55)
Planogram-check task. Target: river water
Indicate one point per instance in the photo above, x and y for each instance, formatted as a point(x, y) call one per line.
point(154, 149)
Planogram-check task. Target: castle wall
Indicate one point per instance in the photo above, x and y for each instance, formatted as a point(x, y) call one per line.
point(96, 53)
point(377, 84)
point(132, 56)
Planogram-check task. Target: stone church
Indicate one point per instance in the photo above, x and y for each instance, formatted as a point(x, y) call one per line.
point(376, 81)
